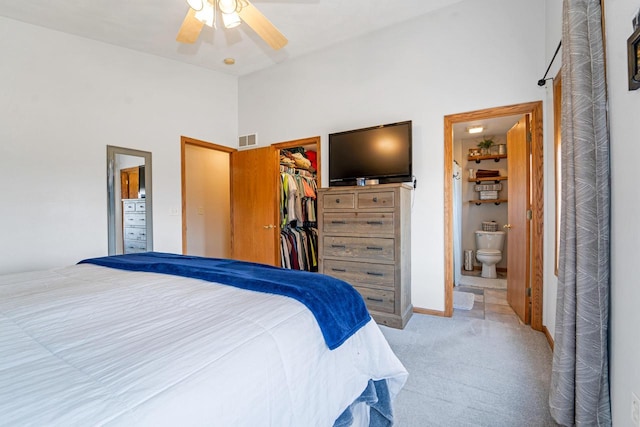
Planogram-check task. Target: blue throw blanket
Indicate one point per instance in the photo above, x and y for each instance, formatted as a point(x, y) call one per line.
point(376, 395)
point(338, 308)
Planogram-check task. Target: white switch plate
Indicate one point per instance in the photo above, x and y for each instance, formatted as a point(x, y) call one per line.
point(635, 410)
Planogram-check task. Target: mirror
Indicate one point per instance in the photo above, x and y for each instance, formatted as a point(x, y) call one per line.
point(129, 198)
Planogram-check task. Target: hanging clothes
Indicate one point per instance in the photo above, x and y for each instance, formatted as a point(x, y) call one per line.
point(298, 216)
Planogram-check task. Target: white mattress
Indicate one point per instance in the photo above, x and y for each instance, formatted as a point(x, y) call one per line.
point(89, 345)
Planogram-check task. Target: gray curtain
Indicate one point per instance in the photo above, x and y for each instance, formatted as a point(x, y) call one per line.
point(579, 392)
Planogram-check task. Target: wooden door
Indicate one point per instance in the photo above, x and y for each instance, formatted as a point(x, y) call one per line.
point(518, 225)
point(129, 179)
point(254, 206)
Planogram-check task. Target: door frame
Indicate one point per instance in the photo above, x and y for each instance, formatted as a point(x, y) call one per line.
point(184, 141)
point(534, 109)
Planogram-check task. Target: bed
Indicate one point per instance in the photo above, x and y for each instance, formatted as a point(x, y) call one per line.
point(97, 344)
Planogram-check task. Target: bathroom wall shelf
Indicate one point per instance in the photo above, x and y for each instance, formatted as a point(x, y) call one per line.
point(495, 157)
point(479, 202)
point(491, 178)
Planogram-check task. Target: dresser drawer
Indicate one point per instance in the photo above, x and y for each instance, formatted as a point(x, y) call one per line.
point(378, 249)
point(134, 206)
point(339, 201)
point(133, 219)
point(134, 246)
point(361, 273)
point(133, 233)
point(377, 299)
point(352, 222)
point(129, 206)
point(382, 199)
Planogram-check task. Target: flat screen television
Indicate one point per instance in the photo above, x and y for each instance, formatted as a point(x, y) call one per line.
point(380, 153)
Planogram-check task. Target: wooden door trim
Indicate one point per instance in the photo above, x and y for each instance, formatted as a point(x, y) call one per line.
point(537, 200)
point(184, 141)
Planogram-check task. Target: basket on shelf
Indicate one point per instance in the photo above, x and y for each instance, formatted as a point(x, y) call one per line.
point(488, 187)
point(488, 195)
point(489, 226)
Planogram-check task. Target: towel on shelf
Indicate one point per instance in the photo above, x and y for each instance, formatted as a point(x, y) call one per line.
point(487, 173)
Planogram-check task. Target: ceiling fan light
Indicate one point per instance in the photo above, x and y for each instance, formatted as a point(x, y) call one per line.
point(231, 20)
point(206, 15)
point(228, 6)
point(196, 5)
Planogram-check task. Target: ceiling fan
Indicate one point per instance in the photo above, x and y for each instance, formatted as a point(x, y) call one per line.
point(205, 12)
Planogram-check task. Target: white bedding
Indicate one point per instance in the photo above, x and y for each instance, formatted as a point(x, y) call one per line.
point(88, 345)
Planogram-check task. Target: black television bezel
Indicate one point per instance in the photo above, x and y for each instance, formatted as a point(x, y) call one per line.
point(382, 179)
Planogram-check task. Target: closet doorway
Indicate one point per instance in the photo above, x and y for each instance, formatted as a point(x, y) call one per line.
point(525, 281)
point(253, 219)
point(256, 199)
point(206, 198)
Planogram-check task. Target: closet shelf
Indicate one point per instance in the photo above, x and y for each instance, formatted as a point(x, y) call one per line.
point(479, 202)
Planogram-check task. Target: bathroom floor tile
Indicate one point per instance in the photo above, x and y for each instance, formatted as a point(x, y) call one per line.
point(489, 304)
point(494, 296)
point(497, 308)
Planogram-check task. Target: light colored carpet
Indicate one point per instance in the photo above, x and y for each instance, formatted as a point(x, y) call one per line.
point(463, 300)
point(471, 372)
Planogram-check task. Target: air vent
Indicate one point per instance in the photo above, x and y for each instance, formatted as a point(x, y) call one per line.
point(247, 141)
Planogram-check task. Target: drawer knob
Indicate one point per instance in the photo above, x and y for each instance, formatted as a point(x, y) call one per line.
point(373, 273)
point(375, 299)
point(338, 246)
point(338, 222)
point(374, 222)
point(339, 270)
point(375, 200)
point(337, 200)
point(374, 248)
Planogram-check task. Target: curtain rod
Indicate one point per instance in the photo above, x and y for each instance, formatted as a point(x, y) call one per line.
point(543, 80)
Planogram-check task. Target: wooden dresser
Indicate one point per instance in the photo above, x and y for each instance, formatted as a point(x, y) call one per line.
point(134, 225)
point(365, 240)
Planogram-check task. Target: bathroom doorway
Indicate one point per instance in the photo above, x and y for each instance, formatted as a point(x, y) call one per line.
point(523, 253)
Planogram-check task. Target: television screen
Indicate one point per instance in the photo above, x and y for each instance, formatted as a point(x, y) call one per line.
point(379, 152)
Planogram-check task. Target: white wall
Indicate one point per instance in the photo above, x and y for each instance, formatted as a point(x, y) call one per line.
point(624, 110)
point(553, 28)
point(64, 99)
point(470, 56)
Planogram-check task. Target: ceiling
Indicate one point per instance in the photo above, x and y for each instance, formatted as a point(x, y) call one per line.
point(151, 26)
point(492, 127)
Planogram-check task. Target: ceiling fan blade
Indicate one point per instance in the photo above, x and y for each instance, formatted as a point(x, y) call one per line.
point(261, 25)
point(190, 29)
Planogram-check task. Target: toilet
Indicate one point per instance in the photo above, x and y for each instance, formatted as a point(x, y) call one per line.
point(489, 251)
